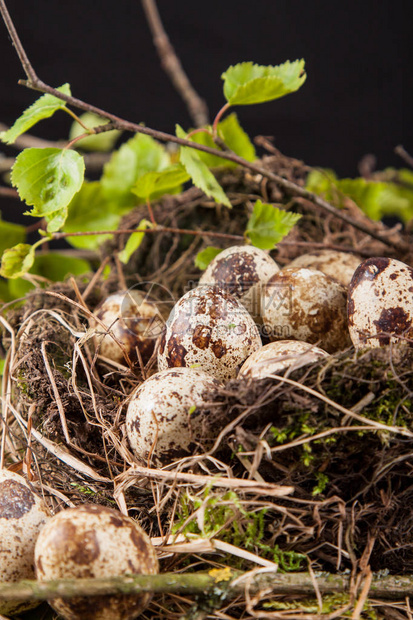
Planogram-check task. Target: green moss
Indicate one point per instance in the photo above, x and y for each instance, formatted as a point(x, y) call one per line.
point(224, 516)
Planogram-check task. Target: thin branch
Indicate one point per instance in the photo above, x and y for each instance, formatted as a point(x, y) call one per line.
point(226, 581)
point(129, 231)
point(171, 64)
point(26, 64)
point(36, 84)
point(9, 192)
point(401, 152)
point(27, 141)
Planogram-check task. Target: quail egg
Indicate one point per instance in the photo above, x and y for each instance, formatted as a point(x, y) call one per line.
point(165, 418)
point(380, 302)
point(22, 516)
point(211, 329)
point(338, 265)
point(275, 357)
point(95, 541)
point(304, 304)
point(135, 321)
point(241, 270)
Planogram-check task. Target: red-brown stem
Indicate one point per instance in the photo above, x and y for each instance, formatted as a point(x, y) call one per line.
point(129, 231)
point(218, 118)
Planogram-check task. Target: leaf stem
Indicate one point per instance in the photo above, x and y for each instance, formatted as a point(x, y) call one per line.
point(77, 119)
point(150, 211)
point(218, 118)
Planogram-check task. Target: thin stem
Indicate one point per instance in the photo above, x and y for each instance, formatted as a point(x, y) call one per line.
point(218, 118)
point(151, 215)
point(76, 118)
point(36, 84)
point(171, 64)
point(200, 130)
point(90, 131)
point(158, 229)
point(401, 152)
point(9, 192)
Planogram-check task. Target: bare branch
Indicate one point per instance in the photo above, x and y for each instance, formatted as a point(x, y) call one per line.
point(172, 66)
point(231, 584)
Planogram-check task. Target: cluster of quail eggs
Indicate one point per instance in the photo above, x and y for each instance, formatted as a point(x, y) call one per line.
point(86, 541)
point(318, 304)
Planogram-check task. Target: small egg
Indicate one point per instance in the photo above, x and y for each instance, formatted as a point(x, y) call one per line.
point(165, 417)
point(211, 329)
point(22, 515)
point(275, 357)
point(241, 270)
point(135, 321)
point(304, 304)
point(94, 541)
point(338, 265)
point(380, 303)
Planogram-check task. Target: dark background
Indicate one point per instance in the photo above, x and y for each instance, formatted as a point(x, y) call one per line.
point(357, 99)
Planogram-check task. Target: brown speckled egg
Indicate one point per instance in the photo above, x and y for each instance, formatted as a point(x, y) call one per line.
point(22, 516)
point(210, 329)
point(275, 357)
point(304, 304)
point(241, 270)
point(165, 417)
point(380, 302)
point(338, 265)
point(136, 322)
point(95, 541)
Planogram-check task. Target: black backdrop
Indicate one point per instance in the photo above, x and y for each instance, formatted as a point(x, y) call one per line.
point(357, 99)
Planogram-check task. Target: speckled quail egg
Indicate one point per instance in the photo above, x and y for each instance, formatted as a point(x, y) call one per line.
point(380, 303)
point(275, 357)
point(165, 417)
point(338, 265)
point(22, 516)
point(304, 304)
point(211, 329)
point(241, 270)
point(135, 321)
point(95, 541)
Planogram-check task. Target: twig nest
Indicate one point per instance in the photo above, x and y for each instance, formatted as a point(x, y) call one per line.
point(134, 322)
point(22, 516)
point(338, 265)
point(307, 305)
point(275, 357)
point(95, 541)
point(241, 270)
point(380, 303)
point(166, 417)
point(210, 329)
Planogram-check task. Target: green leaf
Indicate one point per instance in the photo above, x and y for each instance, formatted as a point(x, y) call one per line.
point(375, 197)
point(268, 225)
point(44, 107)
point(160, 183)
point(96, 142)
point(201, 176)
point(90, 211)
point(231, 132)
point(17, 260)
point(248, 83)
point(134, 242)
point(53, 266)
point(10, 234)
point(47, 179)
point(141, 154)
point(204, 257)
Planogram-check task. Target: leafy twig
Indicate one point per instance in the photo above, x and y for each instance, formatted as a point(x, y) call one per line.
point(35, 83)
point(171, 64)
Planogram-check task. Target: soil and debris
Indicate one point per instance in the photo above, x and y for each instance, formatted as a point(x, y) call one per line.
point(320, 429)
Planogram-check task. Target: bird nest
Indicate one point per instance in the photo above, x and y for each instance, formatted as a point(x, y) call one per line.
point(310, 469)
